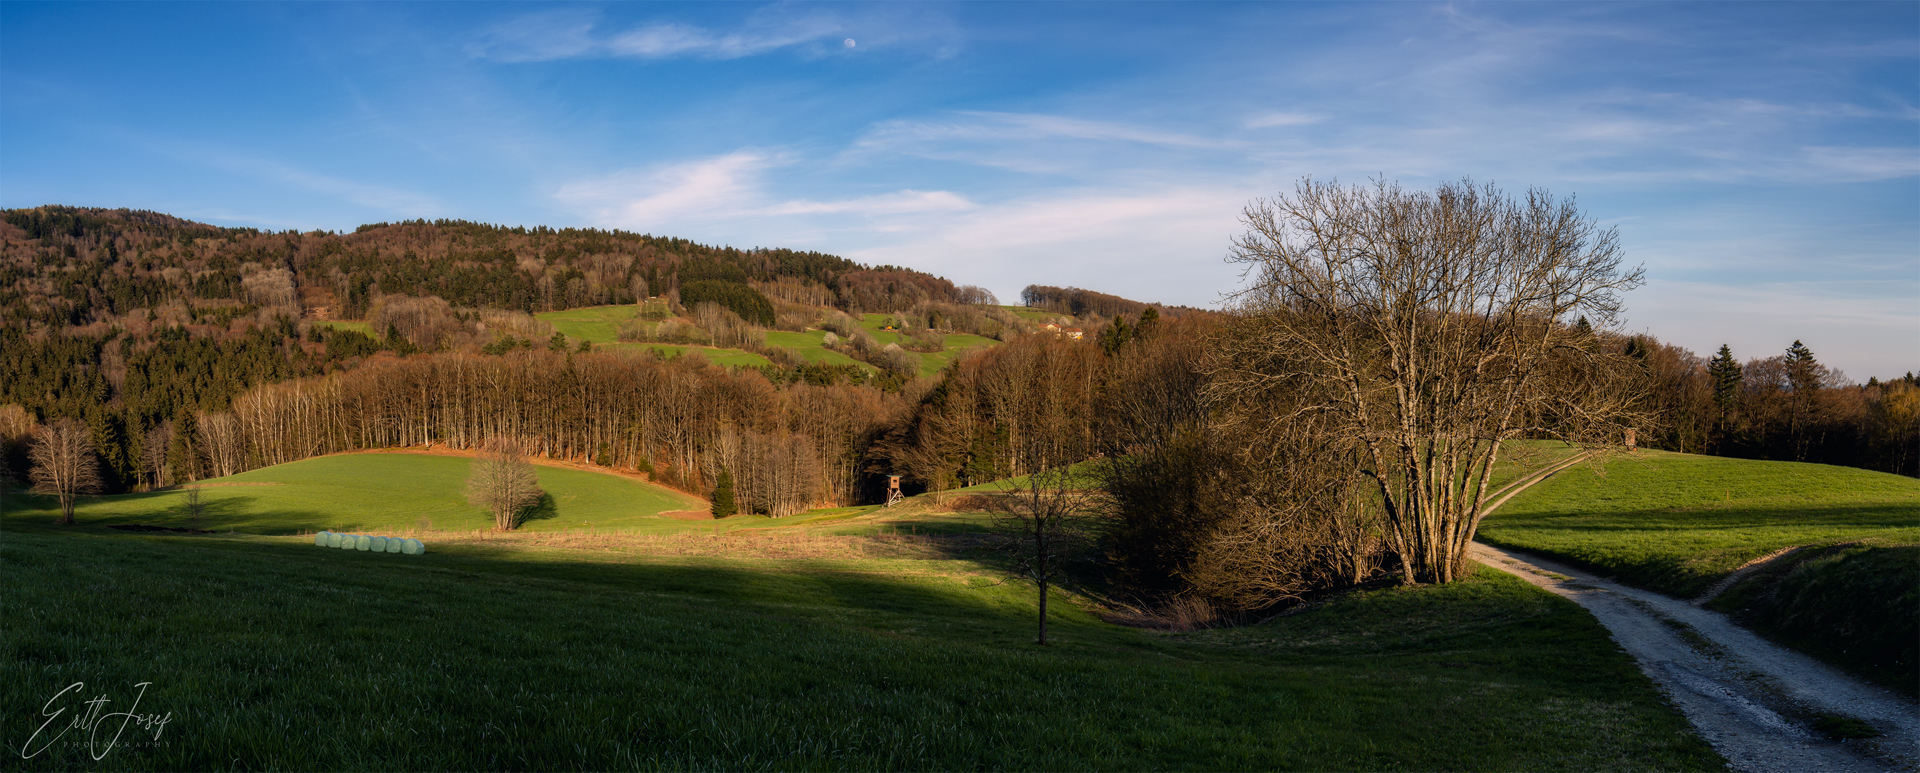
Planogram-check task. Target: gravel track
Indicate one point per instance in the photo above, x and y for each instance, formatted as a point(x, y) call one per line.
point(1753, 700)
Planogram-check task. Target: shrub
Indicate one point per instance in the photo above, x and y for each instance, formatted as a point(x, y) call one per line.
point(723, 504)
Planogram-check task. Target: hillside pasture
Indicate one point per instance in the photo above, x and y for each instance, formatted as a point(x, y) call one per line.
point(1843, 577)
point(599, 324)
point(270, 653)
point(380, 493)
point(1677, 523)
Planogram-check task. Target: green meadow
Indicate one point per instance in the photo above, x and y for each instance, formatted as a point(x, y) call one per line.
point(599, 324)
point(358, 327)
point(1676, 523)
point(609, 652)
point(1679, 524)
point(931, 363)
point(380, 492)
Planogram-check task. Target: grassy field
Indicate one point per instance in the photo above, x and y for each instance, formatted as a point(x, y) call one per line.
point(267, 652)
point(811, 346)
point(599, 324)
point(358, 327)
point(380, 493)
point(930, 362)
point(1676, 523)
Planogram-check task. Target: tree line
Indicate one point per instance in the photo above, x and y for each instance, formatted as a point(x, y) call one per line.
point(1784, 407)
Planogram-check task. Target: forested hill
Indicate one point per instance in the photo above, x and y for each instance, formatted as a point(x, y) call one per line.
point(69, 266)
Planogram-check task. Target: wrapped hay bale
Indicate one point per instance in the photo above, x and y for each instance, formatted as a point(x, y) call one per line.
point(320, 540)
point(362, 542)
point(333, 539)
point(379, 545)
point(414, 548)
point(346, 541)
point(396, 544)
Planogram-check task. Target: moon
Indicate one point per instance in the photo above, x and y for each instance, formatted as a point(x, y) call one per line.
point(848, 42)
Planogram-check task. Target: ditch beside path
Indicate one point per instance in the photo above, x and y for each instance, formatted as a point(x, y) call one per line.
point(1753, 700)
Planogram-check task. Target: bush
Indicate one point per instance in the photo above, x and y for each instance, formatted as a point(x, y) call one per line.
point(723, 504)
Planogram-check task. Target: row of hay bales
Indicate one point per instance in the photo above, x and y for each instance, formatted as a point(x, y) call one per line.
point(369, 543)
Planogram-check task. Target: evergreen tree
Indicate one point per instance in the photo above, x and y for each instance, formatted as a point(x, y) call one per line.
point(1149, 322)
point(1726, 374)
point(183, 455)
point(1115, 336)
point(558, 343)
point(723, 496)
point(1804, 374)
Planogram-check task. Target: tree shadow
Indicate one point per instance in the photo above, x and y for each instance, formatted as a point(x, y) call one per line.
point(544, 510)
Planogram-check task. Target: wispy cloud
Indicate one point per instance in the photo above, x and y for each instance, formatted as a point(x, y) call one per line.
point(729, 191)
point(648, 199)
point(571, 34)
point(899, 202)
point(1276, 119)
point(975, 125)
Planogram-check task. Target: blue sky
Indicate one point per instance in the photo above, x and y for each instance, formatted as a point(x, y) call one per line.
point(1761, 160)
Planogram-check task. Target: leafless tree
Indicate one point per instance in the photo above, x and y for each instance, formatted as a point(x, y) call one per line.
point(503, 482)
point(1423, 331)
point(221, 435)
point(196, 505)
point(1043, 516)
point(64, 463)
point(153, 454)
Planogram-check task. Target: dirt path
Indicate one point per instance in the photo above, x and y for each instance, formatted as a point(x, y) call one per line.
point(1753, 700)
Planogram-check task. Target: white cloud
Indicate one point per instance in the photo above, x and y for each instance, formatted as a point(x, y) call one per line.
point(650, 199)
point(727, 191)
point(1026, 127)
point(661, 41)
point(1271, 120)
point(569, 34)
point(899, 202)
point(1160, 244)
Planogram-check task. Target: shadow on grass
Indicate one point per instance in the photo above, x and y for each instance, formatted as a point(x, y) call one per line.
point(544, 510)
point(1733, 516)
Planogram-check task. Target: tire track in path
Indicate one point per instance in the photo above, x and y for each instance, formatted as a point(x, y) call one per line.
point(1751, 699)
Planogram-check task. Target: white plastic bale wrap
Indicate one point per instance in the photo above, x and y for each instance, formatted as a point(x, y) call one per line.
point(333, 539)
point(396, 544)
point(320, 540)
point(379, 545)
point(347, 540)
point(414, 547)
point(362, 542)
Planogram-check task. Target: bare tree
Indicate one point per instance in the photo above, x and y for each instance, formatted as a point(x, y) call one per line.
point(64, 463)
point(503, 482)
point(196, 505)
point(1043, 516)
point(1424, 330)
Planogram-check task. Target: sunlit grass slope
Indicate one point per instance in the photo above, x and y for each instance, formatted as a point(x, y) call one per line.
point(377, 492)
point(1676, 523)
point(599, 324)
point(271, 653)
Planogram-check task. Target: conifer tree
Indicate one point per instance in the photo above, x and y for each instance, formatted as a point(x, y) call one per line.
point(723, 496)
point(1726, 374)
